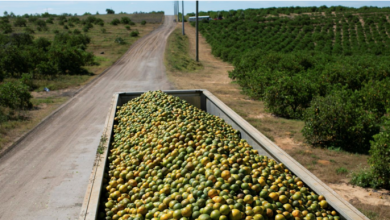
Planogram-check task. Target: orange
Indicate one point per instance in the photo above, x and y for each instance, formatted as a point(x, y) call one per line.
point(248, 199)
point(274, 196)
point(219, 199)
point(225, 174)
point(186, 212)
point(224, 209)
point(280, 217)
point(235, 214)
point(323, 204)
point(258, 210)
point(212, 193)
point(283, 199)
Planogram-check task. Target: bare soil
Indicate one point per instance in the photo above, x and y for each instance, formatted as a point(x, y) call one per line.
point(46, 175)
point(285, 133)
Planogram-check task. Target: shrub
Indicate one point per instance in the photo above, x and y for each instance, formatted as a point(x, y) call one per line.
point(76, 31)
point(339, 120)
point(91, 19)
point(143, 22)
point(125, 20)
point(364, 178)
point(40, 23)
point(74, 20)
point(100, 22)
point(62, 18)
point(20, 22)
point(115, 21)
point(15, 95)
point(103, 30)
point(6, 28)
point(290, 96)
point(110, 11)
point(27, 79)
point(42, 43)
point(32, 19)
point(127, 27)
point(85, 29)
point(56, 31)
point(131, 23)
point(50, 20)
point(380, 154)
point(66, 27)
point(119, 40)
point(375, 96)
point(134, 33)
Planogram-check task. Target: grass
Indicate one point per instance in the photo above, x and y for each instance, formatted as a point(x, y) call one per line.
point(177, 57)
point(43, 106)
point(341, 170)
point(12, 129)
point(329, 165)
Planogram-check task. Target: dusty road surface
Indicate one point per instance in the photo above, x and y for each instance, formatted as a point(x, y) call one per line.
point(46, 175)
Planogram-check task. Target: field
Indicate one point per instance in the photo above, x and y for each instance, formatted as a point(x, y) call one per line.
point(102, 46)
point(333, 166)
point(328, 68)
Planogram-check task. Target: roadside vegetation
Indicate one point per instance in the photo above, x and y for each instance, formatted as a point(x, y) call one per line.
point(328, 67)
point(57, 52)
point(178, 56)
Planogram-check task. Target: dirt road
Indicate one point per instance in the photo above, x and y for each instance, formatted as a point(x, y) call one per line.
point(46, 175)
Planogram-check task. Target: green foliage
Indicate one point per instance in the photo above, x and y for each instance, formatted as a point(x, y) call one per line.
point(40, 23)
point(287, 61)
point(290, 96)
point(339, 120)
point(365, 178)
point(115, 21)
point(125, 20)
point(27, 79)
point(134, 33)
point(110, 11)
point(43, 58)
point(119, 40)
point(376, 95)
point(178, 58)
point(380, 155)
point(6, 28)
point(15, 95)
point(127, 27)
point(50, 20)
point(20, 22)
point(76, 31)
point(103, 30)
point(143, 22)
point(341, 170)
point(29, 30)
point(43, 44)
point(32, 19)
point(74, 20)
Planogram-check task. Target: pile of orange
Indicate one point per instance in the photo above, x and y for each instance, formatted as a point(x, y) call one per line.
point(170, 160)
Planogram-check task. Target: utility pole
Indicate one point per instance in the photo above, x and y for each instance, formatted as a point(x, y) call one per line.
point(197, 40)
point(178, 10)
point(182, 15)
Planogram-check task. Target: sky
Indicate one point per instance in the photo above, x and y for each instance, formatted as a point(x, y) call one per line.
point(80, 7)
